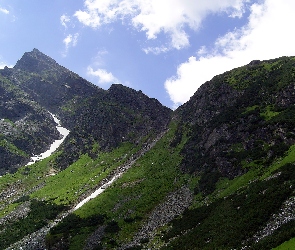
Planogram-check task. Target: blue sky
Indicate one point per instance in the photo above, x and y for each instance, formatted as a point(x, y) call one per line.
point(166, 48)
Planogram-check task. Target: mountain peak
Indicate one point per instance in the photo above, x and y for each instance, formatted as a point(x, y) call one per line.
point(35, 61)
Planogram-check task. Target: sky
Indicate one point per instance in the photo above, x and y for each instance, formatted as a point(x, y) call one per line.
point(166, 48)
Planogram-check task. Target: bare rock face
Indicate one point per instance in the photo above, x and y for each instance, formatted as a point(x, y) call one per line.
point(48, 83)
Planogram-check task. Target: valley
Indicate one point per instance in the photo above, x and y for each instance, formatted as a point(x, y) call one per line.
point(125, 172)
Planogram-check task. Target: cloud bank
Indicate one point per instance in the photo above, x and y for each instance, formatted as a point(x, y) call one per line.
point(104, 77)
point(153, 17)
point(268, 34)
point(4, 11)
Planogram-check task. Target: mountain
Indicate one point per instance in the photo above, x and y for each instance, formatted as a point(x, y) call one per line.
point(217, 173)
point(93, 115)
point(240, 118)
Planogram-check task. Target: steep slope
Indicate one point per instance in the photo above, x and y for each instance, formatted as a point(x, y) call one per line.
point(120, 115)
point(241, 147)
point(25, 127)
point(240, 118)
point(34, 86)
point(48, 83)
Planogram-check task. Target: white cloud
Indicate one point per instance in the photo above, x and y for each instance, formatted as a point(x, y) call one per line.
point(70, 41)
point(88, 19)
point(64, 19)
point(153, 17)
point(5, 11)
point(268, 34)
point(192, 74)
point(2, 65)
point(103, 76)
point(155, 50)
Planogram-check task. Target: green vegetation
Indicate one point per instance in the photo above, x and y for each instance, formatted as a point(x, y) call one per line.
point(29, 175)
point(12, 148)
point(229, 221)
point(268, 113)
point(288, 245)
point(9, 121)
point(40, 214)
point(83, 175)
point(252, 108)
point(7, 209)
point(72, 225)
point(279, 71)
point(232, 145)
point(128, 201)
point(288, 158)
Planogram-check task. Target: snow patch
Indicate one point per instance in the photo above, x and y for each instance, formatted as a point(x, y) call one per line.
point(63, 131)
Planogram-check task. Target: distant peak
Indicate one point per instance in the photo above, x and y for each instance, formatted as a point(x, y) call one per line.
point(34, 61)
point(38, 54)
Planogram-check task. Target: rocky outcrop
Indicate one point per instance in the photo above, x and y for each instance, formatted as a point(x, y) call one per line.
point(240, 121)
point(286, 214)
point(174, 205)
point(49, 83)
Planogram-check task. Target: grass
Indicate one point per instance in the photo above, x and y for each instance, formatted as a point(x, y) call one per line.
point(268, 113)
point(133, 196)
point(289, 158)
point(66, 186)
point(130, 200)
point(29, 175)
point(225, 223)
point(288, 245)
point(226, 187)
point(39, 215)
point(12, 148)
point(84, 174)
point(8, 209)
point(251, 108)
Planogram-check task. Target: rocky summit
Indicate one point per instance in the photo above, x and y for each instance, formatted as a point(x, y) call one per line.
point(216, 173)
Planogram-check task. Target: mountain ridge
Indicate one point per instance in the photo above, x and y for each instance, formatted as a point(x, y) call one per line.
point(216, 173)
point(66, 94)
